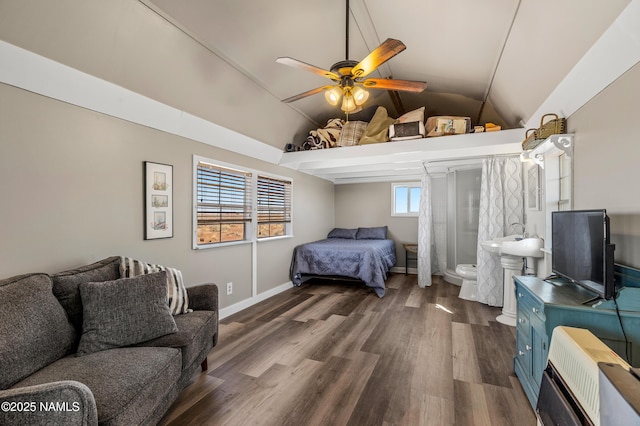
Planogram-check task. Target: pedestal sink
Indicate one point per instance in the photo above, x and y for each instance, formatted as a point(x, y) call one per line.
point(512, 250)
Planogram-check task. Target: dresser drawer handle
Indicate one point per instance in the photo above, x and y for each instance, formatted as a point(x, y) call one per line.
point(528, 347)
point(520, 320)
point(520, 295)
point(520, 353)
point(535, 310)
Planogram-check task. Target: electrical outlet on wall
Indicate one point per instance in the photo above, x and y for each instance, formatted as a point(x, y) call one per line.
point(229, 288)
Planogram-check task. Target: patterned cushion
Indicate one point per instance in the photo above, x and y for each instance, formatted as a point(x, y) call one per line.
point(124, 312)
point(34, 329)
point(327, 137)
point(176, 291)
point(351, 133)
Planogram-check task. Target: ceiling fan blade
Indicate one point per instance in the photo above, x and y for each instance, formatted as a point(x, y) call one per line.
point(381, 54)
point(285, 60)
point(307, 93)
point(389, 84)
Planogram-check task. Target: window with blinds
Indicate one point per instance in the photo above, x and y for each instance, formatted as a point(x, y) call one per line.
point(224, 211)
point(274, 207)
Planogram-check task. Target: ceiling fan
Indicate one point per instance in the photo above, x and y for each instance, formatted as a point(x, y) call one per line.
point(350, 75)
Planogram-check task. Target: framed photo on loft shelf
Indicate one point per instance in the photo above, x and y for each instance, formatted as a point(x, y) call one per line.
point(158, 200)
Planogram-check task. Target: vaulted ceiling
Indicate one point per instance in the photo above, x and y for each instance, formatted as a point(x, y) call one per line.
point(494, 60)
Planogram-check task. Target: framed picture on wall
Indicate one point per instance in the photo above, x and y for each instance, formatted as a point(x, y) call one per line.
point(158, 200)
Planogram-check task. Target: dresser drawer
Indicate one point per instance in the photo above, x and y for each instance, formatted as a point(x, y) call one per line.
point(523, 323)
point(530, 304)
point(523, 352)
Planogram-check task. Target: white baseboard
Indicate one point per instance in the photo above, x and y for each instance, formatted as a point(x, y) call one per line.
point(237, 307)
point(244, 304)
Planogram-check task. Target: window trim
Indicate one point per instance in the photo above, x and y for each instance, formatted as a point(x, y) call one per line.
point(252, 225)
point(409, 185)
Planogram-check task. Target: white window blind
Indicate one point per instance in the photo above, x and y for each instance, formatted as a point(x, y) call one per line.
point(274, 206)
point(223, 204)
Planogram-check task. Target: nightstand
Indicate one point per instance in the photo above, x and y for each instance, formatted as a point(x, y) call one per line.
point(410, 248)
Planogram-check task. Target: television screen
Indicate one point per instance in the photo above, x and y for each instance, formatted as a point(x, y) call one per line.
point(580, 241)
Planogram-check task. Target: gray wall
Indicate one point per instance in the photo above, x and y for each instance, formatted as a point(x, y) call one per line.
point(72, 193)
point(126, 43)
point(369, 204)
point(606, 161)
point(71, 179)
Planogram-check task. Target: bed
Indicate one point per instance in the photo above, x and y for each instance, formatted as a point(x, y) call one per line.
point(363, 253)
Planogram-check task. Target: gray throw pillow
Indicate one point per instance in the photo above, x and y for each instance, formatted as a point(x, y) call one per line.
point(375, 233)
point(349, 234)
point(124, 312)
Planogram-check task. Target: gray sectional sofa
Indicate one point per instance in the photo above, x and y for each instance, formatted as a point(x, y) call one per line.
point(54, 371)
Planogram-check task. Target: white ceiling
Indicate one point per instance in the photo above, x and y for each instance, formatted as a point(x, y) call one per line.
point(510, 53)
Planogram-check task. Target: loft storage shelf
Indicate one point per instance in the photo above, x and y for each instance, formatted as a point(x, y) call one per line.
point(400, 160)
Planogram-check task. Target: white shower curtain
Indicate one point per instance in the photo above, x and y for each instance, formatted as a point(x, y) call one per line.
point(501, 204)
point(425, 234)
point(428, 262)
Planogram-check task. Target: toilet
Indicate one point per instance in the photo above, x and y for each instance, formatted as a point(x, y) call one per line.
point(468, 273)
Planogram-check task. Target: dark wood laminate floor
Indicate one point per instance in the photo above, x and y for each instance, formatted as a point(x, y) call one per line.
point(333, 353)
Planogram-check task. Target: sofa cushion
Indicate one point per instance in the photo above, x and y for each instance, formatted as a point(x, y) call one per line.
point(127, 383)
point(178, 299)
point(124, 312)
point(34, 329)
point(65, 285)
point(194, 330)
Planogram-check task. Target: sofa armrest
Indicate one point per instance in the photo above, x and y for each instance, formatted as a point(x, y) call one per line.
point(203, 297)
point(65, 402)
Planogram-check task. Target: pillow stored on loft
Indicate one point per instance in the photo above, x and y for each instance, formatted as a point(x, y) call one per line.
point(415, 115)
point(351, 133)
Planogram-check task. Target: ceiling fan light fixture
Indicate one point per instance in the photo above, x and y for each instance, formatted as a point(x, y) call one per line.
point(360, 95)
point(333, 96)
point(348, 103)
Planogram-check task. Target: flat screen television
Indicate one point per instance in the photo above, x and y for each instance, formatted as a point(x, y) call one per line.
point(582, 251)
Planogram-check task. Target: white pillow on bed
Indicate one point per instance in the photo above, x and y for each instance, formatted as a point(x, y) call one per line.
point(347, 234)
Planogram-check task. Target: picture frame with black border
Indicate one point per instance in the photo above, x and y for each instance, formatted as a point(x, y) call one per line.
point(158, 200)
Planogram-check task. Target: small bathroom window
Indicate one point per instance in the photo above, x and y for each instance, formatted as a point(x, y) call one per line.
point(405, 199)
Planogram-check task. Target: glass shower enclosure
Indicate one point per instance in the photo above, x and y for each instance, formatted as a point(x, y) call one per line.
point(461, 187)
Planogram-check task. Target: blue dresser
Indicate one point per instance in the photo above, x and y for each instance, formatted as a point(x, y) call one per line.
point(543, 305)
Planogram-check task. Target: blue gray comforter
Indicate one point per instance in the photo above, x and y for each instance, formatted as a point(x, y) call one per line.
point(367, 260)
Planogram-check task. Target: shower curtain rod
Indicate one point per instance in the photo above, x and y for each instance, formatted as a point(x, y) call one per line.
point(475, 157)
